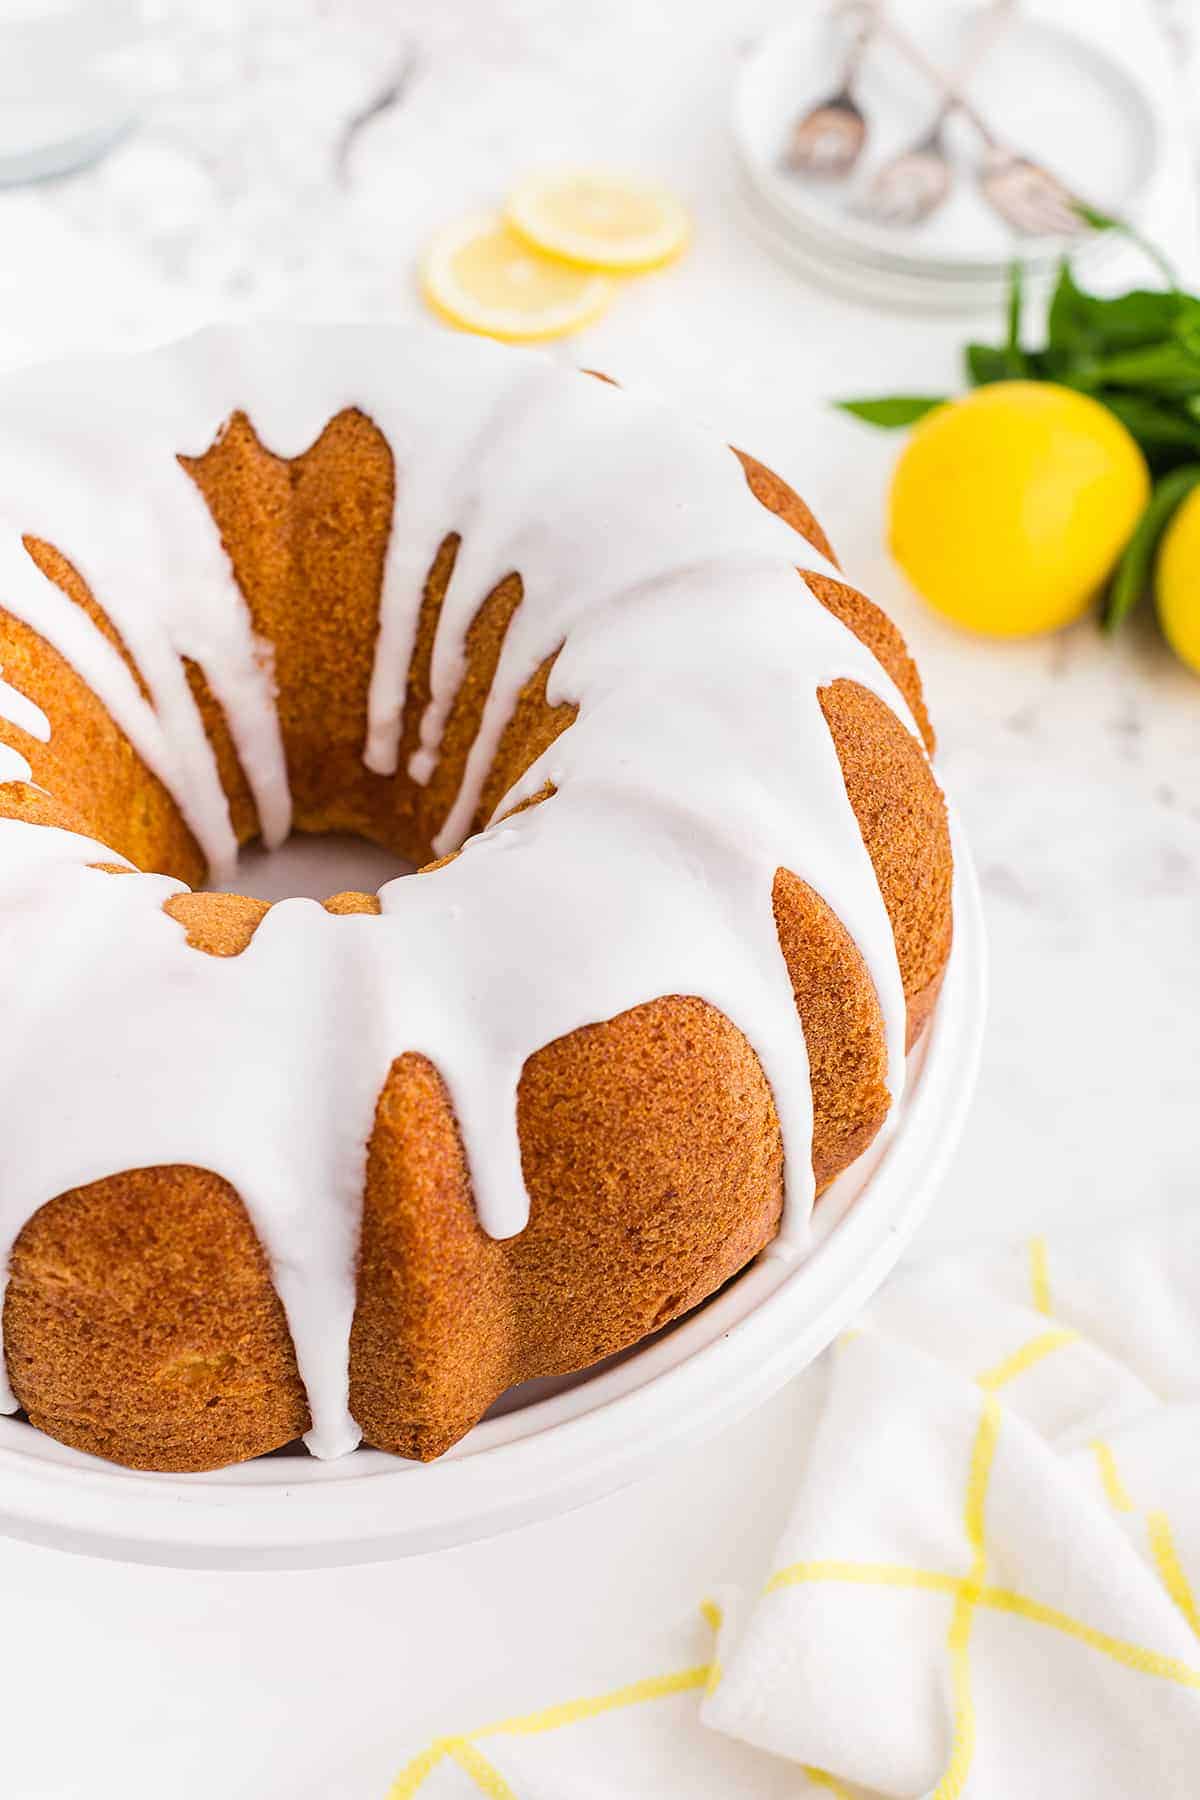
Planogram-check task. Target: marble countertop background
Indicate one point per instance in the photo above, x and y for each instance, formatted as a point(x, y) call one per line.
point(293, 159)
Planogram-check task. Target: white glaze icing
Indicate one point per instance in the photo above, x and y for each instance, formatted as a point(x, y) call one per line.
point(18, 710)
point(699, 764)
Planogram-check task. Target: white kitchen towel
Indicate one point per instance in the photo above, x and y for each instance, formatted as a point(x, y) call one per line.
point(988, 1586)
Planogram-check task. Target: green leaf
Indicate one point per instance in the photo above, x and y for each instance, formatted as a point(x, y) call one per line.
point(1077, 372)
point(985, 364)
point(1070, 325)
point(893, 411)
point(1099, 221)
point(1186, 329)
point(1144, 316)
point(1167, 368)
point(1082, 324)
point(1132, 576)
point(1016, 294)
point(1155, 425)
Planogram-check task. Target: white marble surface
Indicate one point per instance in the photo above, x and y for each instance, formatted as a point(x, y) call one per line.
point(1075, 763)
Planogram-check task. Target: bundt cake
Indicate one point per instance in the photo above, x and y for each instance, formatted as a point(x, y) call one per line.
point(351, 1170)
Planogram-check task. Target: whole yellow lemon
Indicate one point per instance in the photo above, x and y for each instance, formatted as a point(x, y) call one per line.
point(1010, 506)
point(1177, 582)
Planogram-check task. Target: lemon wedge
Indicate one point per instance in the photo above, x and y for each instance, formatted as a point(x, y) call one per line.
point(479, 275)
point(594, 219)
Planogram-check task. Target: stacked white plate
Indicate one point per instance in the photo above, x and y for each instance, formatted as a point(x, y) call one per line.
point(1046, 91)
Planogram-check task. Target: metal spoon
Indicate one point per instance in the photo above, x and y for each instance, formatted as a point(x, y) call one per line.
point(829, 139)
point(1027, 195)
point(914, 183)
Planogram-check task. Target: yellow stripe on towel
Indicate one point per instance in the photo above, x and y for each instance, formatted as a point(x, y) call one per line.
point(485, 1775)
point(1030, 1353)
point(1110, 1475)
point(1170, 1569)
point(1039, 1275)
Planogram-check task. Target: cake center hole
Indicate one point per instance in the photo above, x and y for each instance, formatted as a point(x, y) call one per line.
point(314, 867)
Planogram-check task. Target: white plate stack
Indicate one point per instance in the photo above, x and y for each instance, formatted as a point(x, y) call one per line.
point(1054, 95)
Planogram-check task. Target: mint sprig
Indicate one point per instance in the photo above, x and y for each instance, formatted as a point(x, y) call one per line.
point(1132, 576)
point(892, 413)
point(1137, 353)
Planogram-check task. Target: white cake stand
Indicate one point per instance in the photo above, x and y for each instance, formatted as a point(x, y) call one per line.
point(540, 1452)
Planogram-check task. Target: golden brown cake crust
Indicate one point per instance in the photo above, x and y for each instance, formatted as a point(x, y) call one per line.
point(626, 1229)
point(141, 1325)
point(90, 764)
point(219, 924)
point(779, 498)
point(140, 1320)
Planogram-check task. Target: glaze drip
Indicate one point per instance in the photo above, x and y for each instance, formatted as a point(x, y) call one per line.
point(699, 763)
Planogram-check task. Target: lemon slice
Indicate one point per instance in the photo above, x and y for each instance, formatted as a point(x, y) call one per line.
point(479, 275)
point(593, 219)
